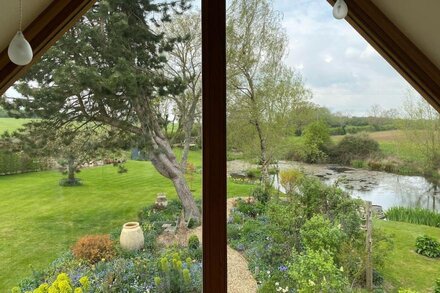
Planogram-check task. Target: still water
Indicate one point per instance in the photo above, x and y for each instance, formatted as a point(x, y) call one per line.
point(384, 189)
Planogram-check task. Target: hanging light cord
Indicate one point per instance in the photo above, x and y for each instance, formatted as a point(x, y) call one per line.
point(21, 14)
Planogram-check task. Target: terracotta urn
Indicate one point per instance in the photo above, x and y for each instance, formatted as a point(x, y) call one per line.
point(132, 237)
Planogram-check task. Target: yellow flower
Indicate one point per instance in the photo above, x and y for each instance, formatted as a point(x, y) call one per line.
point(65, 287)
point(186, 276)
point(84, 281)
point(63, 277)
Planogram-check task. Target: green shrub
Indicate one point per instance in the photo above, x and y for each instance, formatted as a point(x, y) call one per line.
point(315, 271)
point(319, 233)
point(193, 242)
point(360, 164)
point(427, 246)
point(417, 216)
point(250, 209)
point(355, 147)
point(317, 141)
point(290, 179)
point(261, 194)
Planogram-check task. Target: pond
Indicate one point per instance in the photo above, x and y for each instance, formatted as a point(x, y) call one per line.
point(381, 188)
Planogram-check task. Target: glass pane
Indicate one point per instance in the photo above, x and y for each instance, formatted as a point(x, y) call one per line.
point(325, 141)
point(100, 156)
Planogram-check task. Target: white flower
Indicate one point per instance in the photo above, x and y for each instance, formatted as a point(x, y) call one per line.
point(268, 272)
point(279, 289)
point(277, 284)
point(286, 289)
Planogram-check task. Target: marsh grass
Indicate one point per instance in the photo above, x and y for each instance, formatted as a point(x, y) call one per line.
point(414, 215)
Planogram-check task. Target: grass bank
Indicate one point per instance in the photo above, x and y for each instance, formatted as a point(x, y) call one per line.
point(404, 268)
point(11, 124)
point(40, 219)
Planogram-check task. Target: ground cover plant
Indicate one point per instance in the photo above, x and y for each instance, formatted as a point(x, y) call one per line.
point(427, 246)
point(310, 240)
point(98, 264)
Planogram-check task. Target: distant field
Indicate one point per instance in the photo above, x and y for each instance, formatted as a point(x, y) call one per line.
point(11, 124)
point(393, 143)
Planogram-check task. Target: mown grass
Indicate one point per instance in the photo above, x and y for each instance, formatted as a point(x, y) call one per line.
point(404, 268)
point(40, 219)
point(11, 124)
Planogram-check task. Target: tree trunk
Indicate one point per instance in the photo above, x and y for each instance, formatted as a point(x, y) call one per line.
point(187, 130)
point(263, 156)
point(186, 197)
point(71, 170)
point(168, 166)
point(187, 143)
point(165, 162)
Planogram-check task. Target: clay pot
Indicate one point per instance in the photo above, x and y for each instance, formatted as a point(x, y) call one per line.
point(132, 237)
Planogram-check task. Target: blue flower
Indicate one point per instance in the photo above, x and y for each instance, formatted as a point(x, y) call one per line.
point(282, 268)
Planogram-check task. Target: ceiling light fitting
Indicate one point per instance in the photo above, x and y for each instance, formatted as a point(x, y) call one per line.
point(19, 50)
point(340, 9)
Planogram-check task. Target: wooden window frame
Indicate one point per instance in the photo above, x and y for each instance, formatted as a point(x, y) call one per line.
point(363, 15)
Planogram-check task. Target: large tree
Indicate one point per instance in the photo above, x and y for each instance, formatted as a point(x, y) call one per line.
point(262, 91)
point(109, 69)
point(185, 63)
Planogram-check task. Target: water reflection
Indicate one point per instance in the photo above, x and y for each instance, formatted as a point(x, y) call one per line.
point(384, 189)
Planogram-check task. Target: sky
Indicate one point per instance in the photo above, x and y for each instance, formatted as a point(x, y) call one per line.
point(343, 71)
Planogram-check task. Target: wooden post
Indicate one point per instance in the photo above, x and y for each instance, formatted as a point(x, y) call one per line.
point(369, 246)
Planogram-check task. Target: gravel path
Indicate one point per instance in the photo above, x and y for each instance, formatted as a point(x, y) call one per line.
point(240, 279)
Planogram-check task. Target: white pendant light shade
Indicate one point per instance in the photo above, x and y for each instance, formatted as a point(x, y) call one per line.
point(19, 50)
point(340, 9)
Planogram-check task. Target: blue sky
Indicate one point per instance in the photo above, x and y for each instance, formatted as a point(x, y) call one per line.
point(344, 72)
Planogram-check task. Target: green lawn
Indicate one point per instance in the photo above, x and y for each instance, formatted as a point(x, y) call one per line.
point(11, 124)
point(405, 268)
point(40, 219)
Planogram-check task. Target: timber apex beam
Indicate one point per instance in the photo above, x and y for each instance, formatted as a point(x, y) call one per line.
point(396, 48)
point(42, 33)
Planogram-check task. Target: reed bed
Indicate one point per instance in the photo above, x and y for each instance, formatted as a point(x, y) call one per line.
point(414, 215)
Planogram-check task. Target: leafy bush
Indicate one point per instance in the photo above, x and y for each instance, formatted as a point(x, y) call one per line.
point(261, 194)
point(290, 179)
point(15, 163)
point(355, 147)
point(193, 242)
point(414, 215)
point(427, 246)
point(250, 209)
point(317, 140)
point(319, 233)
point(94, 248)
point(315, 271)
point(62, 284)
point(195, 250)
point(175, 275)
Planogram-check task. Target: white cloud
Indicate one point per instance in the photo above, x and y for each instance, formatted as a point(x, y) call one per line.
point(344, 72)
